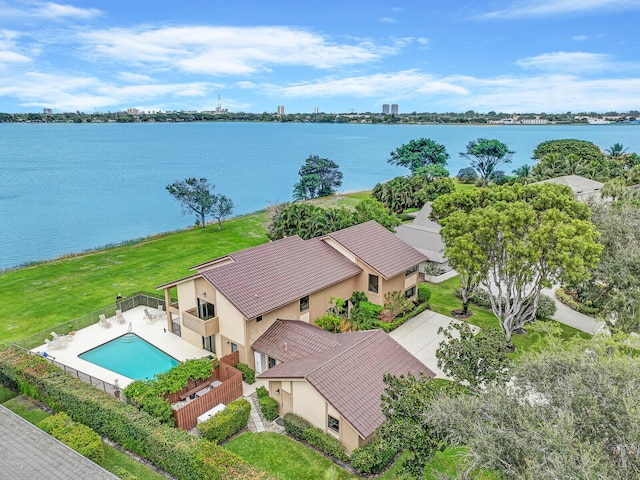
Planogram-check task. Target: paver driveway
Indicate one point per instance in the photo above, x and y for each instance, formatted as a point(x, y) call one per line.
point(420, 336)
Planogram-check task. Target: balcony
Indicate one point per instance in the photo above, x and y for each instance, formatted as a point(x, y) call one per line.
point(205, 328)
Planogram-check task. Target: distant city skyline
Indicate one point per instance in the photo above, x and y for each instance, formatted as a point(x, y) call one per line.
point(516, 56)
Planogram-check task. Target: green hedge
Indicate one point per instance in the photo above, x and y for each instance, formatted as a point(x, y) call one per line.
point(175, 451)
point(227, 422)
point(372, 457)
point(387, 327)
point(577, 306)
point(424, 293)
point(75, 435)
point(268, 405)
point(301, 429)
point(248, 375)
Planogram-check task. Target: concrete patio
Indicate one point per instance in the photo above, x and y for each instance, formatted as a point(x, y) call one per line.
point(95, 335)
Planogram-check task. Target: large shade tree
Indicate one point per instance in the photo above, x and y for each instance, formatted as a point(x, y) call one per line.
point(195, 195)
point(419, 153)
point(485, 155)
point(516, 240)
point(319, 177)
point(569, 412)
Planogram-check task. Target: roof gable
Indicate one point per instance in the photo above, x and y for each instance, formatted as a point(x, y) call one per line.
point(349, 372)
point(379, 248)
point(263, 278)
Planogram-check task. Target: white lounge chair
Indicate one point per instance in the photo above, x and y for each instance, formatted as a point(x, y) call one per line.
point(120, 317)
point(104, 322)
point(55, 344)
point(61, 339)
point(148, 317)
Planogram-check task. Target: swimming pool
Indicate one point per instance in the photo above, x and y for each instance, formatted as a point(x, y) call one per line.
point(130, 356)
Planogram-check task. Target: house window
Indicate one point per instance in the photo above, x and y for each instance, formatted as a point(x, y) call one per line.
point(410, 293)
point(234, 347)
point(333, 424)
point(411, 270)
point(304, 303)
point(258, 318)
point(271, 362)
point(373, 283)
point(206, 310)
point(209, 343)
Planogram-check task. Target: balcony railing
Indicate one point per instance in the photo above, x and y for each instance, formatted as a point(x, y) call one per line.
point(205, 328)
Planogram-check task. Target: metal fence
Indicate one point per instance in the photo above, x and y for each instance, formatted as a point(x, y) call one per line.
point(125, 304)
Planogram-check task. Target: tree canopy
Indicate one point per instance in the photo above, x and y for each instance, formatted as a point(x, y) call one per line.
point(584, 150)
point(515, 240)
point(419, 153)
point(485, 156)
point(569, 411)
point(196, 196)
point(319, 177)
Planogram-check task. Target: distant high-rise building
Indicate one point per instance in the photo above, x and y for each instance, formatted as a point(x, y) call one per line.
point(133, 111)
point(394, 109)
point(280, 109)
point(315, 110)
point(385, 108)
point(47, 111)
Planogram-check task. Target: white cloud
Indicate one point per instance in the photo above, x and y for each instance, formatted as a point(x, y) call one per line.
point(528, 8)
point(387, 20)
point(53, 10)
point(134, 77)
point(226, 50)
point(570, 62)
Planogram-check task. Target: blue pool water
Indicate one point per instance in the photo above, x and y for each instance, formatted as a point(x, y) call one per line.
point(130, 356)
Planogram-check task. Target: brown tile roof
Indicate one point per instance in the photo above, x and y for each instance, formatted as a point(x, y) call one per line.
point(379, 248)
point(349, 375)
point(263, 278)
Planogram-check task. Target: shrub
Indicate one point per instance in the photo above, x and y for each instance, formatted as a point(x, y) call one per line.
point(262, 392)
point(295, 425)
point(467, 175)
point(330, 323)
point(248, 375)
point(123, 474)
point(573, 304)
point(397, 303)
point(75, 435)
point(372, 457)
point(144, 395)
point(324, 442)
point(173, 450)
point(301, 429)
point(424, 294)
point(270, 407)
point(358, 297)
point(227, 422)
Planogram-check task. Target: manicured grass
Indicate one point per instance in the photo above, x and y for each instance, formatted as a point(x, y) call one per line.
point(465, 186)
point(23, 406)
point(44, 295)
point(6, 394)
point(443, 300)
point(448, 463)
point(282, 456)
point(115, 461)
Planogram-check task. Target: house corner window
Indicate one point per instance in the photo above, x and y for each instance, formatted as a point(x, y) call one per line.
point(258, 318)
point(234, 347)
point(304, 303)
point(333, 424)
point(411, 292)
point(373, 283)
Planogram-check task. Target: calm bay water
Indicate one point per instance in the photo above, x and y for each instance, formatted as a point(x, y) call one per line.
point(65, 188)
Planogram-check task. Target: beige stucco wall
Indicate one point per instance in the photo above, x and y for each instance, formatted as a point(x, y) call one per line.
point(187, 300)
point(307, 402)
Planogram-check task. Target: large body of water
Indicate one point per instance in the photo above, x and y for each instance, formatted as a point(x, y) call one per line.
point(66, 188)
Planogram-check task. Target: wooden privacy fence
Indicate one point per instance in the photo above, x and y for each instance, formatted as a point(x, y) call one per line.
point(186, 417)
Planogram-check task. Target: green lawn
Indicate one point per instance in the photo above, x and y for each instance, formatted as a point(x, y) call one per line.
point(283, 457)
point(443, 300)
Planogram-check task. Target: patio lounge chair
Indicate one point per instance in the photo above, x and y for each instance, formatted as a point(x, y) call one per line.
point(62, 339)
point(148, 317)
point(104, 322)
point(120, 317)
point(55, 344)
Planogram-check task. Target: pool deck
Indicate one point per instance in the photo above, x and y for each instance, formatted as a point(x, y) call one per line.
point(95, 335)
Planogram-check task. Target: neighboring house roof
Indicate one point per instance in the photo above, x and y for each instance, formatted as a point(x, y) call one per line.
point(379, 248)
point(347, 369)
point(423, 234)
point(263, 278)
point(577, 183)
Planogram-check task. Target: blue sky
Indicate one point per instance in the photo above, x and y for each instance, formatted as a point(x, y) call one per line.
point(512, 56)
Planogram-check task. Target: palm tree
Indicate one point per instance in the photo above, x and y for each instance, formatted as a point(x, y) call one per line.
point(523, 174)
point(617, 151)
